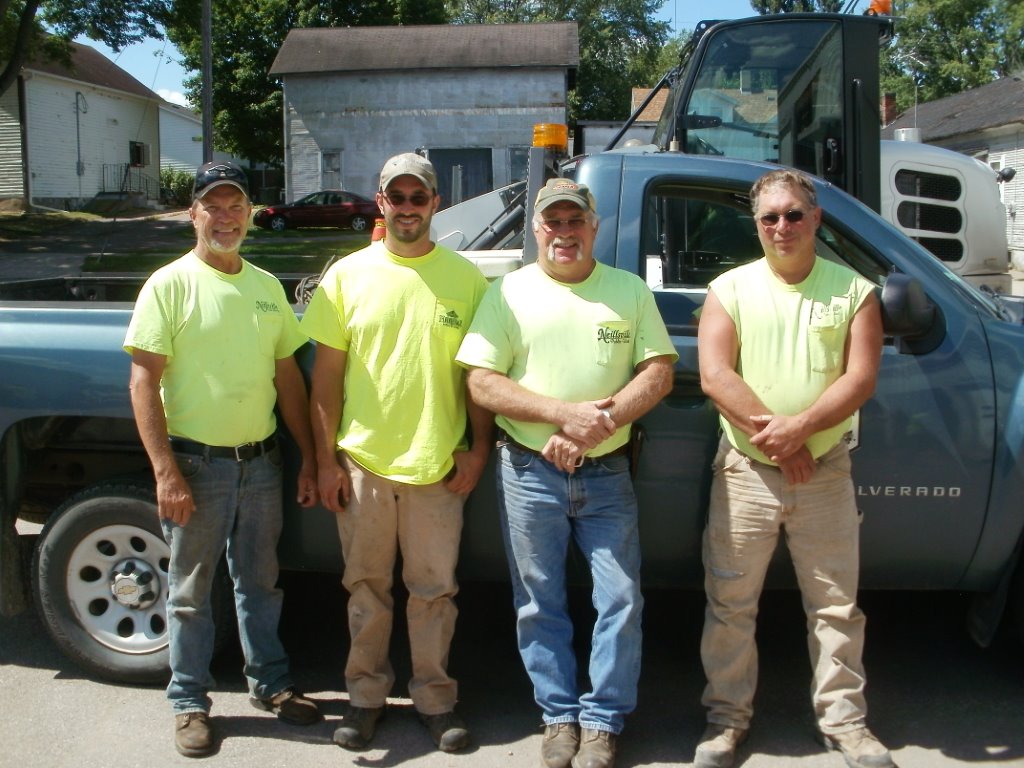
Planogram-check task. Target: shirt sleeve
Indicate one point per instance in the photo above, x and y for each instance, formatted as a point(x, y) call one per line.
point(291, 337)
point(487, 343)
point(150, 327)
point(652, 339)
point(323, 318)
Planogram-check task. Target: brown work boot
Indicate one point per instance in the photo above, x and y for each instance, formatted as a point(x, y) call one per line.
point(561, 741)
point(717, 746)
point(290, 706)
point(193, 736)
point(447, 730)
point(860, 748)
point(597, 750)
point(357, 727)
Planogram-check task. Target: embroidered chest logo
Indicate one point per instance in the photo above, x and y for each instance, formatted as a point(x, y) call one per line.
point(267, 306)
point(828, 312)
point(449, 319)
point(614, 336)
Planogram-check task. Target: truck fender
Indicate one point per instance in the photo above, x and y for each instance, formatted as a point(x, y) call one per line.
point(987, 608)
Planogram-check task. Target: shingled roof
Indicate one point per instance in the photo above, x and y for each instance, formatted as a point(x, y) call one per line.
point(429, 46)
point(90, 66)
point(994, 105)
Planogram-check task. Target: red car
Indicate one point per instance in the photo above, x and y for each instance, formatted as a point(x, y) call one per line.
point(329, 208)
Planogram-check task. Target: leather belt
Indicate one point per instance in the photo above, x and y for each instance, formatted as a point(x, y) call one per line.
point(504, 438)
point(243, 452)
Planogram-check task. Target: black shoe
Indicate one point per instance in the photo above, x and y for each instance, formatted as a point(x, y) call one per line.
point(447, 730)
point(290, 706)
point(193, 736)
point(357, 727)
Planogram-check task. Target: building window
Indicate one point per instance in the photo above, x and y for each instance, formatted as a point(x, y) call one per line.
point(518, 160)
point(138, 154)
point(330, 169)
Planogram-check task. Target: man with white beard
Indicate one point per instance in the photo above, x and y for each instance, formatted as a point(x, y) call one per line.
point(568, 352)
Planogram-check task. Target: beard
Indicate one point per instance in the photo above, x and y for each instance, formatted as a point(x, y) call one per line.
point(555, 243)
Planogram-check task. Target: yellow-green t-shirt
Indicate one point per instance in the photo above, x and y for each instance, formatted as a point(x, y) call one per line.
point(400, 322)
point(792, 339)
point(571, 341)
point(221, 335)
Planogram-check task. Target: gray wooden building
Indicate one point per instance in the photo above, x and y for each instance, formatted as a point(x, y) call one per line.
point(467, 96)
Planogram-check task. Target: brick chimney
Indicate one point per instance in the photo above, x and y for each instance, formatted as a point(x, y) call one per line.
point(888, 108)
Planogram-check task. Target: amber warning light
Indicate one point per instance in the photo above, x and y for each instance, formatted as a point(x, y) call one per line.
point(551, 136)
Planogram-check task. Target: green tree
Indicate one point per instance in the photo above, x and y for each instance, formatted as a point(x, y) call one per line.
point(24, 23)
point(942, 47)
point(247, 107)
point(620, 42)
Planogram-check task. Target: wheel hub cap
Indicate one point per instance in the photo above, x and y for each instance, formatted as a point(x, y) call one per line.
point(134, 584)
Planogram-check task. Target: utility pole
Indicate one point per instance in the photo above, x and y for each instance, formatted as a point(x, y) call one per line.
point(207, 95)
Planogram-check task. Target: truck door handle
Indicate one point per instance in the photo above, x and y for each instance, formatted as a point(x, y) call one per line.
point(832, 162)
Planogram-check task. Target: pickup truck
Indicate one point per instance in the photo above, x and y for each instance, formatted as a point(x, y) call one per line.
point(937, 464)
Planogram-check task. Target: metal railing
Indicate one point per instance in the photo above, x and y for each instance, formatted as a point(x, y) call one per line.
point(125, 178)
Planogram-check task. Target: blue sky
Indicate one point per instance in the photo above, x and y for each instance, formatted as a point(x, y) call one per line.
point(154, 63)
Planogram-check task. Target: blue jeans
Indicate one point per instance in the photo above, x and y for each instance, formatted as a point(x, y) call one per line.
point(238, 507)
point(541, 508)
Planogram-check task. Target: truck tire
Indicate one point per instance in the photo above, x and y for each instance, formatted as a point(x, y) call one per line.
point(100, 584)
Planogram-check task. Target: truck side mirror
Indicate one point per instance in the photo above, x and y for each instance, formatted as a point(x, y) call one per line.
point(909, 316)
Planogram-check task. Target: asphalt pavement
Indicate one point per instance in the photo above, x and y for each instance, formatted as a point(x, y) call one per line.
point(935, 699)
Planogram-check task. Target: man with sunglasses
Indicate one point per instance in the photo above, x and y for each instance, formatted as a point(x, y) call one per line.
point(389, 413)
point(789, 348)
point(568, 352)
point(212, 341)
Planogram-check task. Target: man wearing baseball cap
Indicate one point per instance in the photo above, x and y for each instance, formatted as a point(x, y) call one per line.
point(212, 341)
point(568, 352)
point(389, 418)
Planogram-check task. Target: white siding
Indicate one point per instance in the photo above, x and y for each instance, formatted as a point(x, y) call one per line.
point(370, 118)
point(11, 176)
point(99, 134)
point(178, 146)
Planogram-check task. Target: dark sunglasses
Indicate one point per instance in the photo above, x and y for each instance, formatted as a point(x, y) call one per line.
point(419, 199)
point(771, 219)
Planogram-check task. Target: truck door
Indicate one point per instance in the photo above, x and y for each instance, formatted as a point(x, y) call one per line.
point(922, 445)
point(800, 90)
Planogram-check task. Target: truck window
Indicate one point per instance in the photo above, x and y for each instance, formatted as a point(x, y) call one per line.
point(690, 236)
point(770, 92)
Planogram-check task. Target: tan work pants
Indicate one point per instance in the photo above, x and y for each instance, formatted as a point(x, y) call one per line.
point(425, 522)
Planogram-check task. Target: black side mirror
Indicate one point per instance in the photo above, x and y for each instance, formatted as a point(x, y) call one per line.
point(909, 316)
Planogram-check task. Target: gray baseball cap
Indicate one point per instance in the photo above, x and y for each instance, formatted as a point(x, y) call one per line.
point(565, 191)
point(408, 164)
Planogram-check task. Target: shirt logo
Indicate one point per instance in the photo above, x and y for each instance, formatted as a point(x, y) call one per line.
point(614, 336)
point(267, 306)
point(450, 319)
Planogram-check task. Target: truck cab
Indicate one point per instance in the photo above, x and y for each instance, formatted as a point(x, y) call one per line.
point(802, 90)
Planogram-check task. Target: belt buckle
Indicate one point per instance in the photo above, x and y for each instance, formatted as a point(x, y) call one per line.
point(245, 447)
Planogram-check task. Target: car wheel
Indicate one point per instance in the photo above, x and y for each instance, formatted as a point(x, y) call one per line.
point(100, 583)
point(358, 223)
point(278, 224)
